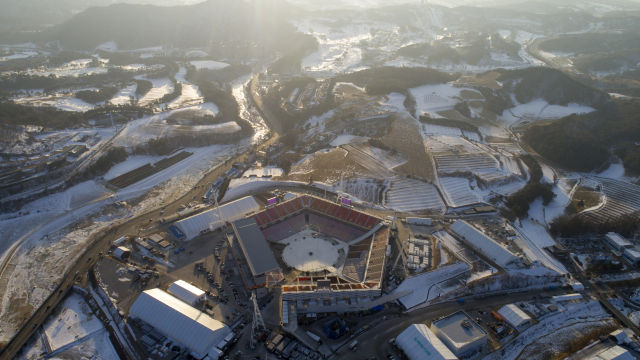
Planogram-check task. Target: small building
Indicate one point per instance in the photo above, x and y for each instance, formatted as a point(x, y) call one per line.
point(156, 238)
point(515, 317)
point(620, 336)
point(616, 241)
point(460, 334)
point(180, 322)
point(186, 292)
point(122, 253)
point(567, 298)
point(632, 255)
point(418, 342)
point(612, 353)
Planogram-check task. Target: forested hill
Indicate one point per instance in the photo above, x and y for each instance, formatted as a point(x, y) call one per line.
point(553, 86)
point(260, 24)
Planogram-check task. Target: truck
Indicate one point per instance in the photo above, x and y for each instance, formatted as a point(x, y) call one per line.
point(354, 345)
point(314, 337)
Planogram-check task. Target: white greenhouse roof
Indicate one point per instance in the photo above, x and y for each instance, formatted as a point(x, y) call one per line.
point(513, 315)
point(179, 321)
point(232, 211)
point(185, 292)
point(419, 343)
point(483, 244)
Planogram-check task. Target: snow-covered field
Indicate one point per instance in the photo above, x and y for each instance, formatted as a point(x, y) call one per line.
point(431, 99)
point(61, 101)
point(124, 95)
point(161, 87)
point(540, 109)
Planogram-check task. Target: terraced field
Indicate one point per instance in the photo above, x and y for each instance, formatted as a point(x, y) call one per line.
point(622, 198)
point(413, 195)
point(457, 192)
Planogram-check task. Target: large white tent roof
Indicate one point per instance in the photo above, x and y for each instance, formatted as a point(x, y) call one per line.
point(513, 315)
point(419, 343)
point(424, 287)
point(179, 321)
point(483, 244)
point(185, 291)
point(232, 211)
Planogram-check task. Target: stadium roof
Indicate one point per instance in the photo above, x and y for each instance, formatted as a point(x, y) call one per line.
point(185, 291)
point(513, 315)
point(482, 243)
point(255, 247)
point(420, 343)
point(179, 321)
point(194, 225)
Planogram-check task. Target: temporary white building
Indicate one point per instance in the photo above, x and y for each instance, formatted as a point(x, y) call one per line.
point(180, 322)
point(515, 317)
point(418, 342)
point(612, 353)
point(483, 244)
point(186, 292)
point(567, 298)
point(210, 219)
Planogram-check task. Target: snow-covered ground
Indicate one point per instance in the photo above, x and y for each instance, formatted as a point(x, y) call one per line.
point(430, 285)
point(72, 331)
point(580, 317)
point(540, 109)
point(339, 51)
point(124, 95)
point(61, 101)
point(161, 87)
point(431, 99)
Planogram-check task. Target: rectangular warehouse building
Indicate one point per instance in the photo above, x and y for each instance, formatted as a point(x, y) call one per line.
point(180, 322)
point(483, 244)
point(419, 343)
point(210, 219)
point(460, 333)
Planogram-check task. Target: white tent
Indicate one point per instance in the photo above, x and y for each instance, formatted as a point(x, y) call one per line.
point(483, 244)
point(186, 292)
point(515, 317)
point(418, 342)
point(179, 321)
point(209, 220)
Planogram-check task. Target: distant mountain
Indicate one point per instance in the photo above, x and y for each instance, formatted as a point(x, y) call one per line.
point(211, 23)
